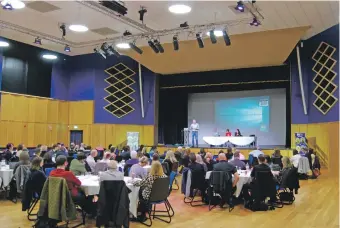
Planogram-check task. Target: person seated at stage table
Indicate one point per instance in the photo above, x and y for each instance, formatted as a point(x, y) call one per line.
point(134, 158)
point(237, 162)
point(77, 166)
point(238, 133)
point(199, 160)
point(112, 173)
point(91, 159)
point(256, 153)
point(295, 159)
point(193, 165)
point(209, 161)
point(228, 133)
point(137, 170)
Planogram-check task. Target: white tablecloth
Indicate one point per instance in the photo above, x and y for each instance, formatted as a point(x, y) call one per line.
point(238, 141)
point(6, 175)
point(90, 184)
point(244, 179)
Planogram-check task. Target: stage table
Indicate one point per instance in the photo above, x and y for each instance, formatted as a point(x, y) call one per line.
point(90, 185)
point(236, 140)
point(245, 178)
point(6, 175)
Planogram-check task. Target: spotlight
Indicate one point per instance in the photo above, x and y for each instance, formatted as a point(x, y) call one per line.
point(63, 29)
point(175, 43)
point(100, 52)
point(240, 6)
point(184, 25)
point(135, 48)
point(37, 41)
point(212, 37)
point(141, 12)
point(127, 33)
point(159, 46)
point(226, 38)
point(199, 40)
point(67, 48)
point(255, 22)
point(112, 51)
point(153, 47)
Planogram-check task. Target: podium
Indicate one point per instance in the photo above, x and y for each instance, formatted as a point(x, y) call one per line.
point(186, 136)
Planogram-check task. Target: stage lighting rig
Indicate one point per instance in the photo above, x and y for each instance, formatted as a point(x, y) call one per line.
point(63, 29)
point(127, 33)
point(100, 52)
point(135, 48)
point(184, 25)
point(37, 41)
point(159, 46)
point(153, 46)
point(212, 36)
point(226, 38)
point(141, 12)
point(199, 40)
point(175, 43)
point(115, 6)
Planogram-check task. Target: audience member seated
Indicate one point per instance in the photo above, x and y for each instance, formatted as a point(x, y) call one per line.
point(199, 160)
point(146, 186)
point(171, 160)
point(126, 153)
point(178, 155)
point(72, 150)
point(37, 151)
point(224, 166)
point(155, 157)
point(202, 153)
point(209, 161)
point(295, 159)
point(24, 159)
point(54, 150)
point(193, 165)
point(277, 158)
point(256, 153)
point(8, 154)
point(43, 151)
point(20, 149)
point(185, 157)
point(106, 157)
point(37, 175)
point(48, 163)
point(91, 159)
point(73, 184)
point(137, 170)
point(77, 166)
point(237, 162)
point(152, 150)
point(111, 173)
point(133, 160)
point(118, 157)
point(286, 165)
point(229, 153)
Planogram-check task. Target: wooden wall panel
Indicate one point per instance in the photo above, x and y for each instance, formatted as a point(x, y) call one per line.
point(81, 112)
point(52, 111)
point(63, 112)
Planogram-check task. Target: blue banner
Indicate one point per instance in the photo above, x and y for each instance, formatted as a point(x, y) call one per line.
point(300, 141)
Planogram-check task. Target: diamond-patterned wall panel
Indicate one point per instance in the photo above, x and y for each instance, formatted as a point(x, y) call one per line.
point(323, 79)
point(119, 90)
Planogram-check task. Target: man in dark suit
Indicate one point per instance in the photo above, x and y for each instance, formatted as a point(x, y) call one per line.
point(261, 167)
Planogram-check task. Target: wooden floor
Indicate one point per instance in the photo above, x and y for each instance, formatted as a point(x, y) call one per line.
point(316, 205)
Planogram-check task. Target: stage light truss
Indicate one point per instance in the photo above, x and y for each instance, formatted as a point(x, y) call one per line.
point(119, 90)
point(323, 79)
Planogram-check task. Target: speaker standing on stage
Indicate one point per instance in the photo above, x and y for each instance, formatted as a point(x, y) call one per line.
point(194, 127)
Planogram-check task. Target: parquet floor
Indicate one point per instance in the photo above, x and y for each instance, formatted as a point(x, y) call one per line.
point(316, 205)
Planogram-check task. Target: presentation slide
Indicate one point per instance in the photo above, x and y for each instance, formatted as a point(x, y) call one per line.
point(255, 112)
point(246, 113)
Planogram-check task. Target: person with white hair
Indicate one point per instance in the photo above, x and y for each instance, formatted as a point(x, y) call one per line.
point(137, 169)
point(256, 152)
point(112, 173)
point(90, 159)
point(134, 159)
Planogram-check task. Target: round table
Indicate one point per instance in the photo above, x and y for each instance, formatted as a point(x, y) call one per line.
point(90, 185)
point(6, 175)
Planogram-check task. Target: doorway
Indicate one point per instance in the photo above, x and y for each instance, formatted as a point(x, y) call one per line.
point(76, 136)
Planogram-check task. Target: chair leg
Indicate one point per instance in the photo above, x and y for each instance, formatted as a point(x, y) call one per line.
point(29, 211)
point(83, 219)
point(168, 212)
point(195, 201)
point(171, 210)
point(150, 223)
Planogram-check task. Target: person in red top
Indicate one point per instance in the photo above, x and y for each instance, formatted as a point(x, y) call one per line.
point(228, 133)
point(73, 182)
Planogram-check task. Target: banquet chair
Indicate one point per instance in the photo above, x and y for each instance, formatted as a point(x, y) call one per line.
point(288, 185)
point(220, 186)
point(30, 213)
point(197, 185)
point(166, 168)
point(12, 165)
point(48, 171)
point(159, 195)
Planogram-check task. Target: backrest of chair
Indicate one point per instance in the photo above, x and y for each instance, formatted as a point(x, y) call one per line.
point(12, 165)
point(166, 168)
point(48, 171)
point(215, 157)
point(220, 180)
point(265, 184)
point(100, 167)
point(197, 179)
point(160, 189)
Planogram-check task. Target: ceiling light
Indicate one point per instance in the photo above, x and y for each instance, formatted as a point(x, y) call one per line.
point(159, 46)
point(135, 48)
point(240, 6)
point(212, 37)
point(123, 45)
point(180, 9)
point(226, 38)
point(3, 43)
point(199, 40)
point(12, 4)
point(175, 43)
point(255, 22)
point(67, 48)
point(37, 41)
point(78, 28)
point(49, 56)
point(153, 47)
point(217, 33)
